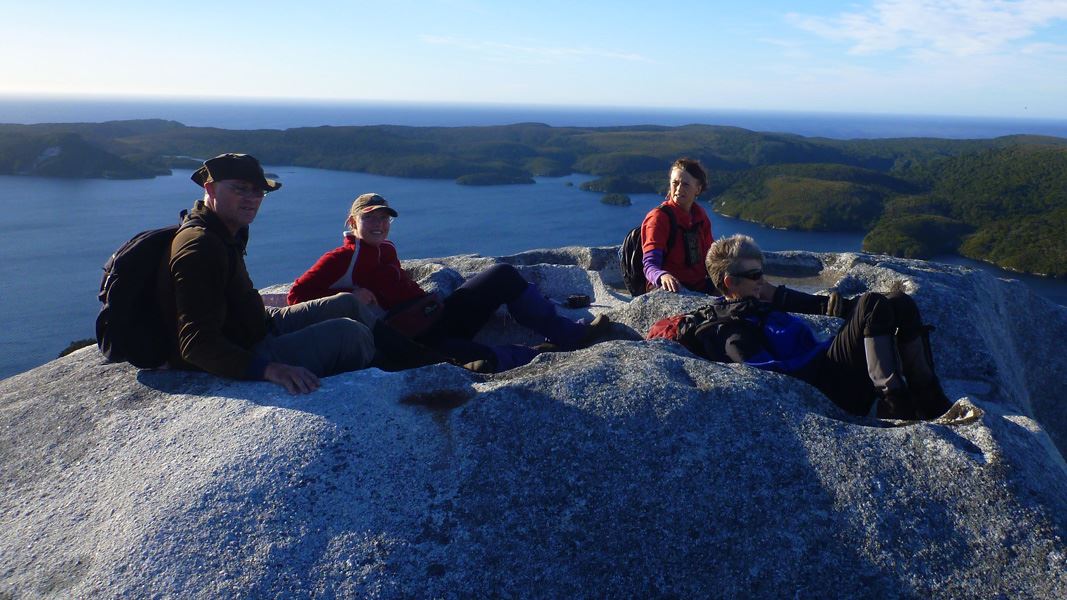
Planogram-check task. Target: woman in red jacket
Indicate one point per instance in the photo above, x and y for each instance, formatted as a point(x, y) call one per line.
point(682, 263)
point(367, 266)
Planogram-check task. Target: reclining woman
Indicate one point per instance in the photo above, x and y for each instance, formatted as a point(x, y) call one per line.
point(881, 354)
point(367, 266)
point(676, 235)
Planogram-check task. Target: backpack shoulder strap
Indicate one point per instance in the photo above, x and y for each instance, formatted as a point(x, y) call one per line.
point(674, 228)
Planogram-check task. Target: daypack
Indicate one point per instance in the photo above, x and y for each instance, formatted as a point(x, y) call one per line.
point(688, 328)
point(630, 255)
point(130, 326)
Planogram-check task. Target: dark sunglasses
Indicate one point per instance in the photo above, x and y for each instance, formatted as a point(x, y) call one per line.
point(754, 275)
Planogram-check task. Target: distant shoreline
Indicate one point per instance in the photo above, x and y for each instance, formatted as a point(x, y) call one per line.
point(276, 114)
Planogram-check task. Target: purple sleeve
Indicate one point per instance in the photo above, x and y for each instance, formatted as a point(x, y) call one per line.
point(653, 263)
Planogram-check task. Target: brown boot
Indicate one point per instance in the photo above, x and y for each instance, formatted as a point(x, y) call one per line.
point(597, 329)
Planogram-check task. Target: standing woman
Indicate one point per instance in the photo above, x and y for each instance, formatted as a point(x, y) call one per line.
point(368, 267)
point(676, 235)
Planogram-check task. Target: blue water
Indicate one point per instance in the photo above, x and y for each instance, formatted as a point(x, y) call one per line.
point(245, 114)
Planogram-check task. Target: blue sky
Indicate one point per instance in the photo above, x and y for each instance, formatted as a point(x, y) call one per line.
point(954, 57)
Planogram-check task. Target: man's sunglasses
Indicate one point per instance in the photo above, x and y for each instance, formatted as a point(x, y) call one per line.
point(754, 275)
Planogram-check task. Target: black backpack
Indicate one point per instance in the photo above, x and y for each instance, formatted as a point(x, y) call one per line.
point(630, 254)
point(688, 329)
point(130, 326)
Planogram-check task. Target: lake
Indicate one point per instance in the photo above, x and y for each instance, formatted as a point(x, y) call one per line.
point(56, 234)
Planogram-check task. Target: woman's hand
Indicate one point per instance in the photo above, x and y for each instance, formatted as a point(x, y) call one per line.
point(670, 283)
point(366, 296)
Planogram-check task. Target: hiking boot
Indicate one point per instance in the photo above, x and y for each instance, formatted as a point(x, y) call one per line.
point(931, 401)
point(897, 404)
point(595, 331)
point(505, 357)
point(918, 361)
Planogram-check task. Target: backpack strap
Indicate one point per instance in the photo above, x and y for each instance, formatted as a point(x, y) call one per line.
point(672, 235)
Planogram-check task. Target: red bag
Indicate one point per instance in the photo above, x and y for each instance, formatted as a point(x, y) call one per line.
point(416, 317)
point(681, 329)
point(667, 328)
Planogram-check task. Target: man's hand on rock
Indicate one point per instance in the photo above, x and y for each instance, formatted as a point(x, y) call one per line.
point(296, 380)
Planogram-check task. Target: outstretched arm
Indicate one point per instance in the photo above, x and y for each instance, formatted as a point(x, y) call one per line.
point(655, 232)
point(652, 261)
point(787, 300)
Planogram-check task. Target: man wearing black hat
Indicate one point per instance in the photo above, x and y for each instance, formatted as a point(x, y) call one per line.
point(221, 324)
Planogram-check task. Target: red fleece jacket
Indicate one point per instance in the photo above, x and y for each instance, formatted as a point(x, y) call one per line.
point(357, 265)
point(655, 231)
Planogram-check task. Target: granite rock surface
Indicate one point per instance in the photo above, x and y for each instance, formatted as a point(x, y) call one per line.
point(630, 468)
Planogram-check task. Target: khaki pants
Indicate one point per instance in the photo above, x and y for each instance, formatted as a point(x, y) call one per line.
point(325, 336)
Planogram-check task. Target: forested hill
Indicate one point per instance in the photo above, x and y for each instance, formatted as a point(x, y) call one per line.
point(1000, 200)
point(1006, 206)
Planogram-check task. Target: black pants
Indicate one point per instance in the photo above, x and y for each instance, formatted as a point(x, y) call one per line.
point(469, 308)
point(841, 373)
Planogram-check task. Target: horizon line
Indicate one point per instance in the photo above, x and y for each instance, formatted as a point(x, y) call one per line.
point(446, 104)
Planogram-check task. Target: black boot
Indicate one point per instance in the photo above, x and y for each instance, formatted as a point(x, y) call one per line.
point(396, 352)
point(931, 401)
point(897, 404)
point(917, 360)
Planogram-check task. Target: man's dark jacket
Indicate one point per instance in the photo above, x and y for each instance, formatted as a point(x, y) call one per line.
point(217, 314)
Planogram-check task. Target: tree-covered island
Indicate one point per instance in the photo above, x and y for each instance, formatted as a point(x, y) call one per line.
point(1000, 200)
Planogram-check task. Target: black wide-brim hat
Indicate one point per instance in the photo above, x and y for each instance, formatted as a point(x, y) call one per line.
point(234, 166)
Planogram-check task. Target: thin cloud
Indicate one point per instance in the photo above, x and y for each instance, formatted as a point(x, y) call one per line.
point(545, 54)
point(1045, 49)
point(945, 27)
point(789, 48)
